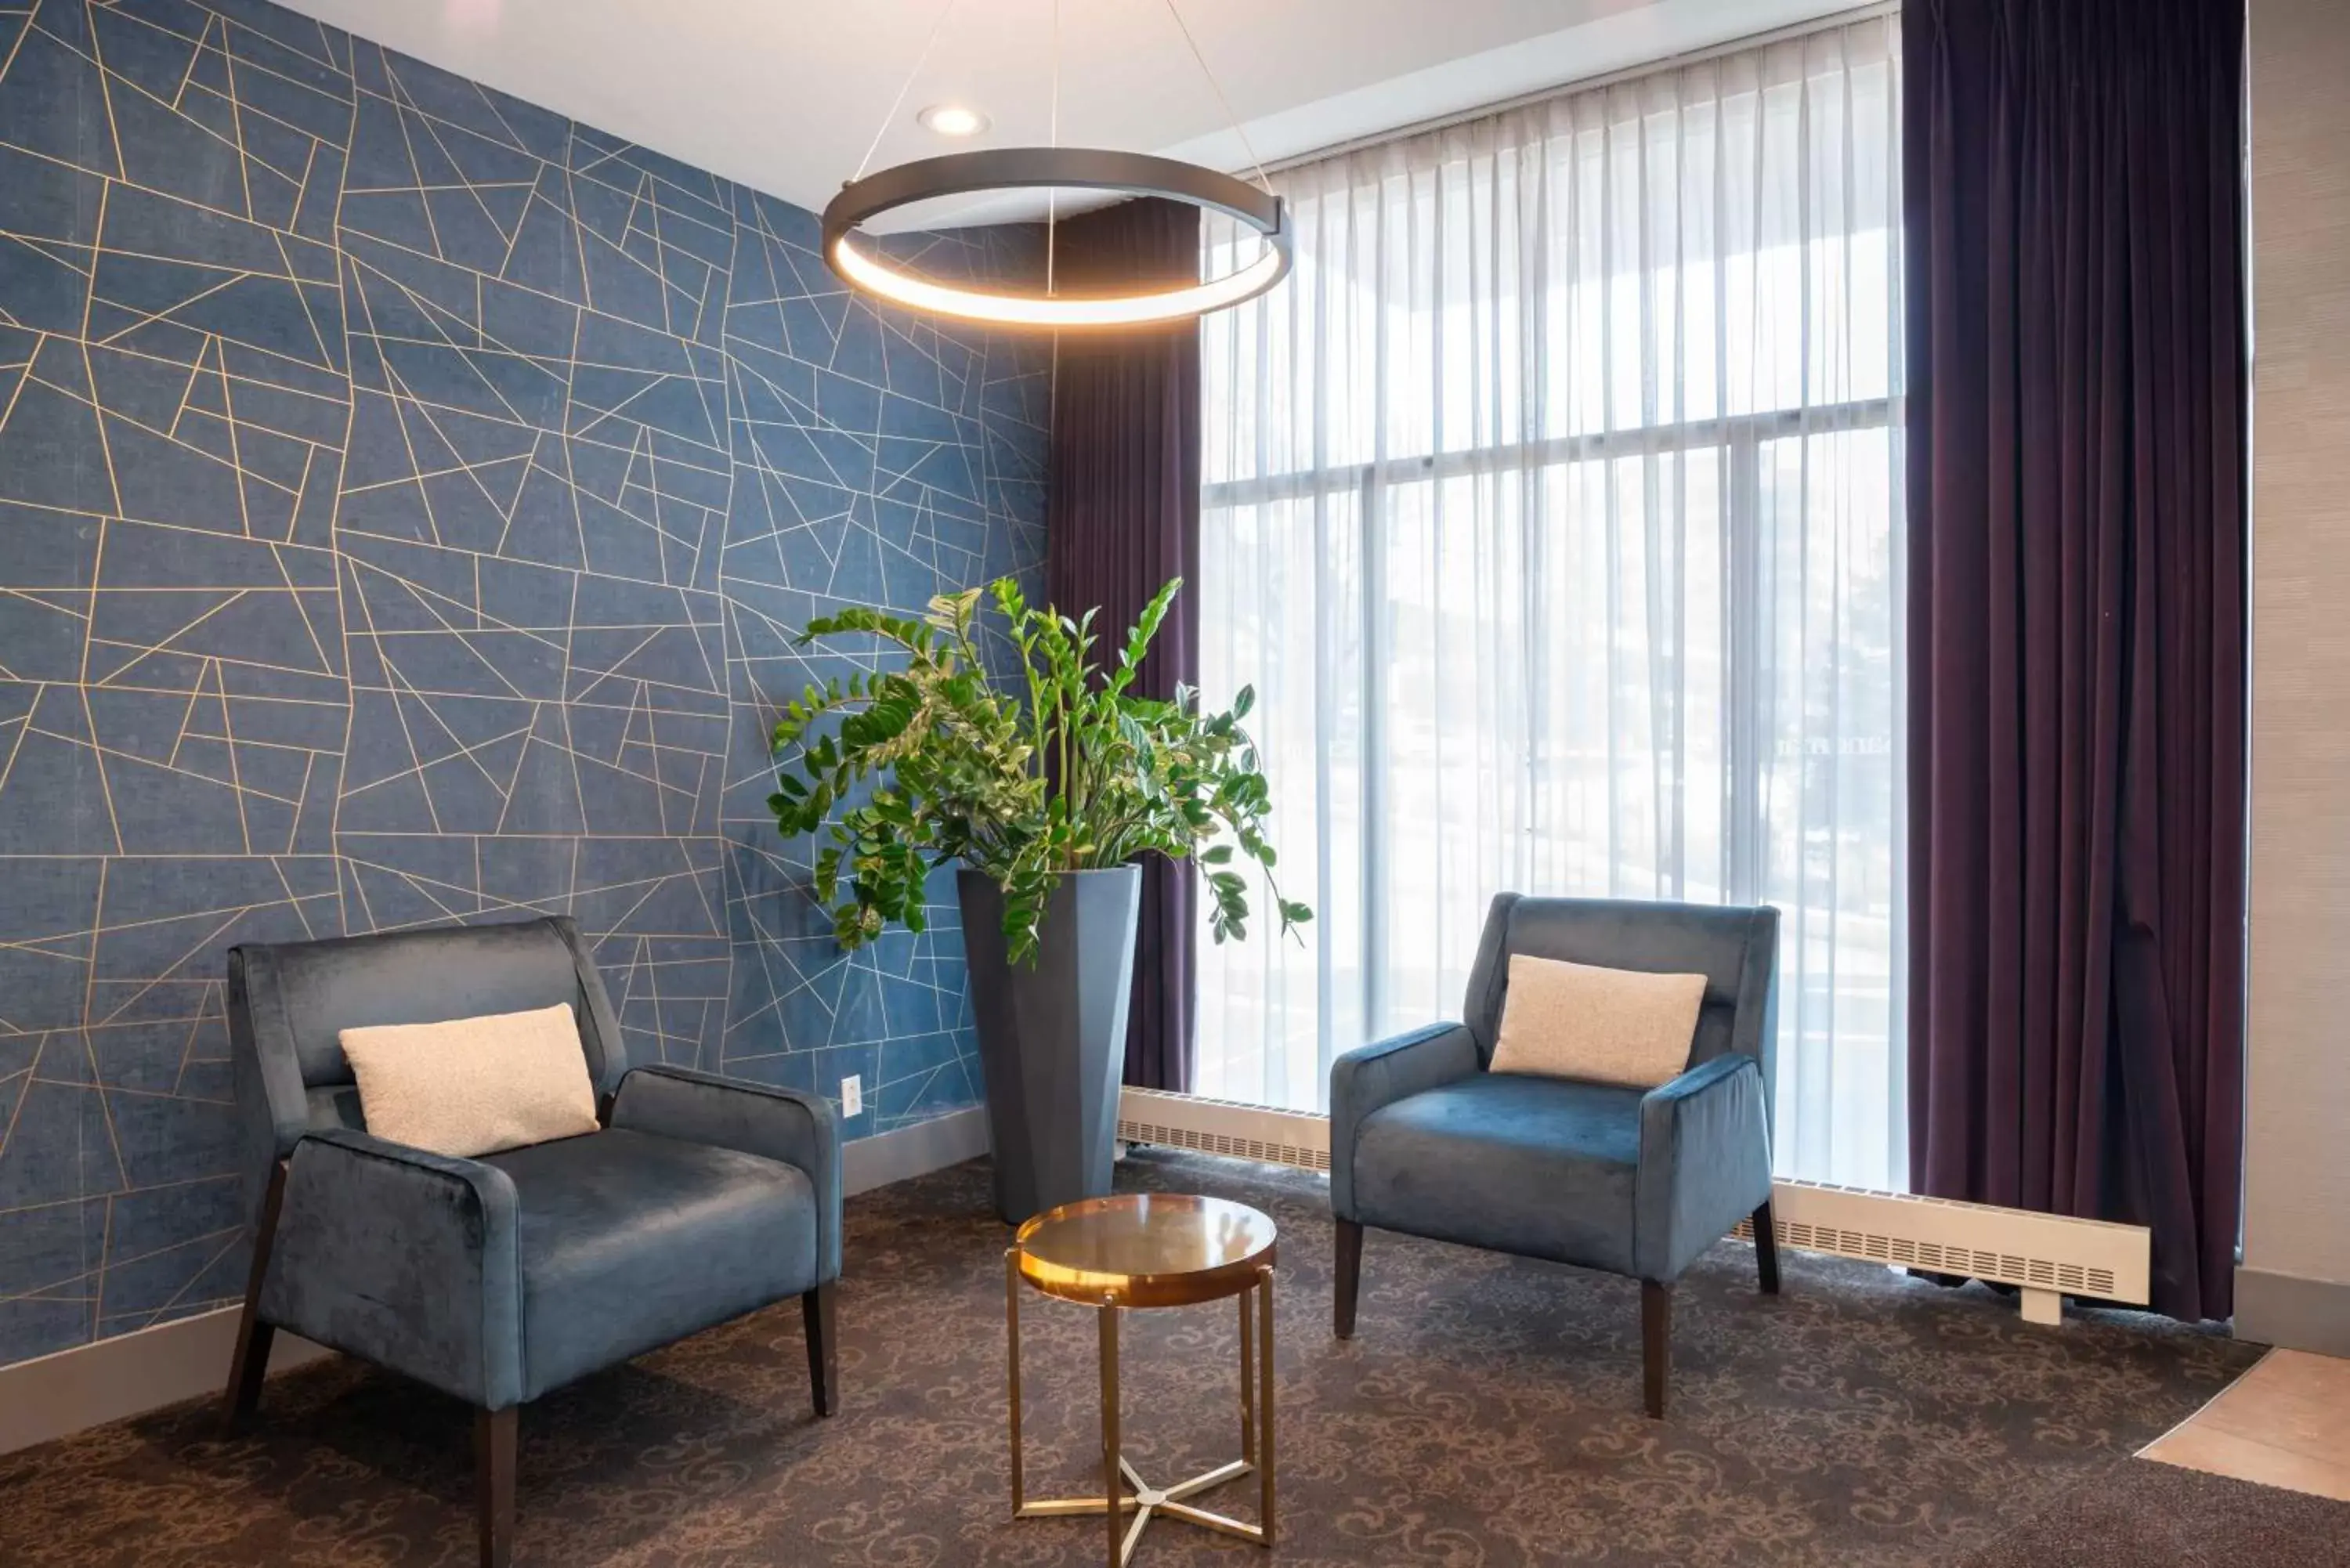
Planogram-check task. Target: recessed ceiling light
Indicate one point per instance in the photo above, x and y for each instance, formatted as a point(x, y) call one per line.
point(952, 119)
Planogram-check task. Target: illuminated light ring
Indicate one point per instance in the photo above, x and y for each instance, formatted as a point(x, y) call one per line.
point(1039, 168)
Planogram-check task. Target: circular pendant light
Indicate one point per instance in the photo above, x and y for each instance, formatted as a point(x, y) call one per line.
point(1052, 168)
point(1048, 170)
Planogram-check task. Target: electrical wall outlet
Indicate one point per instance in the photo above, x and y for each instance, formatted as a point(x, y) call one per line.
point(852, 1096)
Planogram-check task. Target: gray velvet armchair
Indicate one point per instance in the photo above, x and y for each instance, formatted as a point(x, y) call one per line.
point(498, 1279)
point(1427, 1141)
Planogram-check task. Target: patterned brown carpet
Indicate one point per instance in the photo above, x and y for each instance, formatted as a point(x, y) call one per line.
point(1487, 1413)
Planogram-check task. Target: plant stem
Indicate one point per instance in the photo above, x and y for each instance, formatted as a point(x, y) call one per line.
point(1061, 730)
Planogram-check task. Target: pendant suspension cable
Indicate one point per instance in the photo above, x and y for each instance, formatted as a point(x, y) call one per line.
point(904, 87)
point(1247, 146)
point(1053, 194)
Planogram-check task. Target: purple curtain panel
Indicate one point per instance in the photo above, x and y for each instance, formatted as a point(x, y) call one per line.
point(2076, 450)
point(1123, 516)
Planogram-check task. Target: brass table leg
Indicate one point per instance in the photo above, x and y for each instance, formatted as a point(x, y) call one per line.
point(1012, 1333)
point(1119, 1541)
point(1143, 1501)
point(1264, 1396)
point(1248, 1375)
point(1055, 1507)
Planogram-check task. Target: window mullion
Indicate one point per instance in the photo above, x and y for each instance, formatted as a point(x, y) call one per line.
point(1745, 841)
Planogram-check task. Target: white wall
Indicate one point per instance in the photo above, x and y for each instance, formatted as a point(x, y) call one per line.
point(2297, 1197)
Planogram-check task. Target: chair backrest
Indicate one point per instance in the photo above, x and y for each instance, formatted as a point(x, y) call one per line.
point(288, 1004)
point(1735, 947)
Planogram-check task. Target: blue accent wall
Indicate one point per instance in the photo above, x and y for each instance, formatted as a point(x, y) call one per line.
point(406, 498)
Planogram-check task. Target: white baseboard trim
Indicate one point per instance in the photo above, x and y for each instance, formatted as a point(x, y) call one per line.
point(893, 1157)
point(57, 1395)
point(72, 1391)
point(2296, 1314)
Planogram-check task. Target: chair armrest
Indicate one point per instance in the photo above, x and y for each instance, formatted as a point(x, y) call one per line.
point(782, 1125)
point(1371, 1077)
point(1705, 1163)
point(404, 1257)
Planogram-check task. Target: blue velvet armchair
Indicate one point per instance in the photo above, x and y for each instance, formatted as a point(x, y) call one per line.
point(1426, 1140)
point(498, 1279)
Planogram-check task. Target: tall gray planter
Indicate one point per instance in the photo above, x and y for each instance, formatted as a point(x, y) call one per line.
point(1051, 1036)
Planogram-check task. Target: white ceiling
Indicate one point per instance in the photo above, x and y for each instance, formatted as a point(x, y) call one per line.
point(786, 95)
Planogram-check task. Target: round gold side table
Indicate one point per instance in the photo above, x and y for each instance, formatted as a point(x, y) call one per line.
point(1151, 1250)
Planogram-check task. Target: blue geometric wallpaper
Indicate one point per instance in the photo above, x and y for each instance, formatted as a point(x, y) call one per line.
point(406, 498)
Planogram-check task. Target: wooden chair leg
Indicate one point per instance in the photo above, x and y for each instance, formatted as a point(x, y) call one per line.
point(823, 1348)
point(494, 1433)
point(250, 1366)
point(1656, 1342)
point(1766, 1250)
point(1349, 1277)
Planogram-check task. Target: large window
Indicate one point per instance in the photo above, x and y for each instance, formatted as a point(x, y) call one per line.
point(1551, 509)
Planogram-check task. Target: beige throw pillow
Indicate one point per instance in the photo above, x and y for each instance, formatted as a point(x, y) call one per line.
point(474, 1085)
point(1600, 1025)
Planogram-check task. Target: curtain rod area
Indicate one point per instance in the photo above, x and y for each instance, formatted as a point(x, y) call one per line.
point(1589, 83)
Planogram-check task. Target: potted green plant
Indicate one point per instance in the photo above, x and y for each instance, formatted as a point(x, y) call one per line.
point(1048, 788)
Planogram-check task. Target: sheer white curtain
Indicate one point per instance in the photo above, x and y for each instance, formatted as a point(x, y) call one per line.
point(1551, 510)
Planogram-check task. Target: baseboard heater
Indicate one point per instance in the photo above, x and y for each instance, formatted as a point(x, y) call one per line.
point(2044, 1256)
point(1301, 1139)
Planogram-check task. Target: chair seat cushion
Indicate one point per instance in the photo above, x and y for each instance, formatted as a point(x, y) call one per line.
point(1543, 1167)
point(627, 1242)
